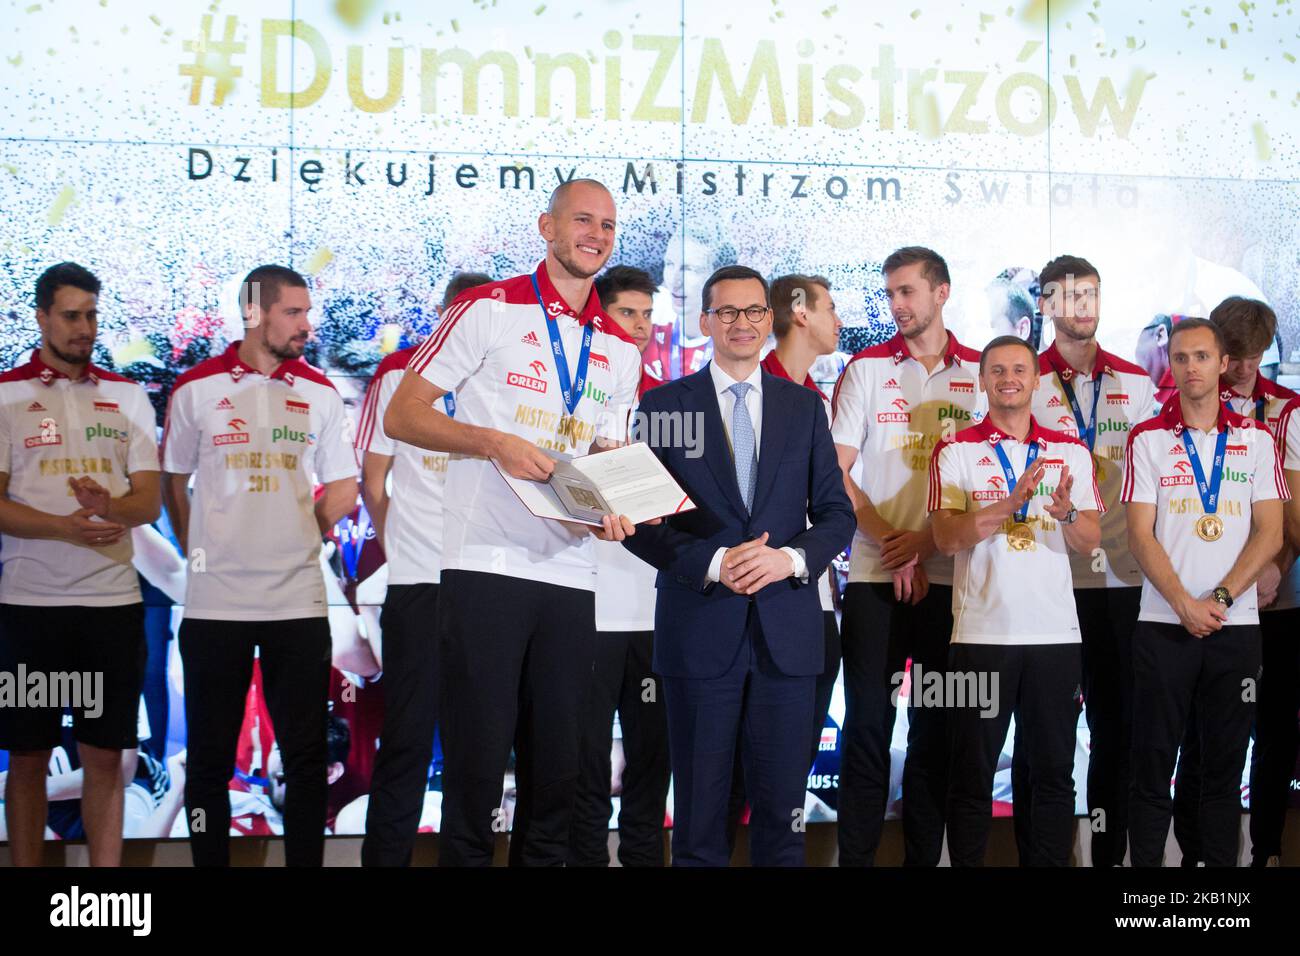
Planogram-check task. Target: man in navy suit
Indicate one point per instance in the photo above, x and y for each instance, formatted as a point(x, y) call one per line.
point(738, 626)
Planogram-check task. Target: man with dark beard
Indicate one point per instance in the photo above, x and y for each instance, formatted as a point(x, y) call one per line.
point(257, 427)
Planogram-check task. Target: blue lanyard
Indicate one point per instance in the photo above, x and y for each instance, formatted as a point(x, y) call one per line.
point(1209, 490)
point(572, 394)
point(352, 538)
point(449, 402)
point(1030, 457)
point(1087, 434)
point(1259, 410)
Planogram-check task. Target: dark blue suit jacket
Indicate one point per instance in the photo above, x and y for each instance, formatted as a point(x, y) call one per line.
point(699, 625)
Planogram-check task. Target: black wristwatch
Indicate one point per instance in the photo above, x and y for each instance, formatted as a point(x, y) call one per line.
point(1222, 595)
point(1071, 516)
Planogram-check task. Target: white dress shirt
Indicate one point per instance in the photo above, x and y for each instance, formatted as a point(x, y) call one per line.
point(722, 383)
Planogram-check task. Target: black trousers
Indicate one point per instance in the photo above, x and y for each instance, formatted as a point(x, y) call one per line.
point(410, 687)
point(1175, 673)
point(622, 681)
point(1037, 684)
point(1277, 732)
point(1277, 736)
point(764, 712)
point(516, 661)
point(218, 666)
point(825, 689)
point(1107, 617)
point(880, 634)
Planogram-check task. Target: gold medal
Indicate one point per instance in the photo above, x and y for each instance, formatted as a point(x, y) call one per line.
point(1020, 537)
point(1099, 466)
point(1209, 527)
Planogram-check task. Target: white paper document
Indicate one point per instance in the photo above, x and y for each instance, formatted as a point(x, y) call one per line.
point(627, 481)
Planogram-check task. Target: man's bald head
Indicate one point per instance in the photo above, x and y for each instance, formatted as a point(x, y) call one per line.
point(563, 191)
point(578, 227)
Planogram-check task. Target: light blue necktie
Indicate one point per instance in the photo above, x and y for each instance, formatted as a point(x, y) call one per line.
point(743, 445)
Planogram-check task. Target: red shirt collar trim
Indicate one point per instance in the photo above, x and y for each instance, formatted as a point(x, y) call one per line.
point(1103, 360)
point(1263, 389)
point(773, 366)
point(48, 375)
point(992, 435)
point(898, 345)
point(1171, 416)
point(237, 368)
point(554, 305)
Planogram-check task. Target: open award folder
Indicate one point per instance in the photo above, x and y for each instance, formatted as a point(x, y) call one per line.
point(627, 481)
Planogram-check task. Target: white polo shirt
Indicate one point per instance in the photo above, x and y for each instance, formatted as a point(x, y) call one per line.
point(1158, 472)
point(413, 525)
point(51, 429)
point(1125, 399)
point(493, 349)
point(256, 446)
point(1002, 595)
point(625, 585)
point(894, 412)
point(1271, 404)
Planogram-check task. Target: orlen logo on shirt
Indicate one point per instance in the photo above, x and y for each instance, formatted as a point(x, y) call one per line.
point(1067, 424)
point(524, 381)
point(1182, 478)
point(993, 493)
point(237, 437)
point(899, 414)
point(49, 435)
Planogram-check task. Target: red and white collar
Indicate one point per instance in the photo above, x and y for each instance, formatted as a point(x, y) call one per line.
point(1054, 360)
point(48, 375)
point(554, 305)
point(898, 346)
point(1171, 416)
point(238, 368)
point(1263, 389)
point(773, 366)
point(986, 430)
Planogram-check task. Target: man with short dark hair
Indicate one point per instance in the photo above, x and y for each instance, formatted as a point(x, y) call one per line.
point(1010, 499)
point(623, 678)
point(893, 404)
point(738, 633)
point(408, 524)
point(1098, 398)
point(806, 326)
point(1248, 327)
point(258, 428)
point(78, 471)
point(1202, 485)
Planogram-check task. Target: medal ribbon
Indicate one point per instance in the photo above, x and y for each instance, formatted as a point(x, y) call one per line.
point(1208, 490)
point(1088, 434)
point(1030, 457)
point(572, 394)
